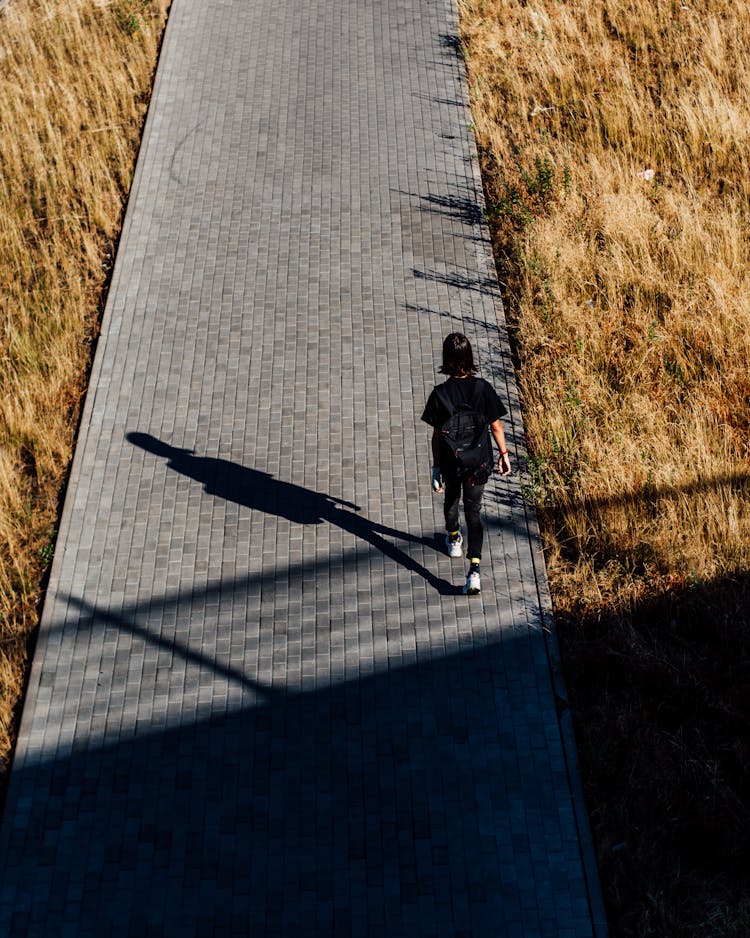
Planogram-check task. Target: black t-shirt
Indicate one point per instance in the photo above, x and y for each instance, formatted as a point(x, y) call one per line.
point(460, 391)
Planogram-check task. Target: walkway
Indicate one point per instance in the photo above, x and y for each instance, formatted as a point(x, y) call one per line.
point(258, 706)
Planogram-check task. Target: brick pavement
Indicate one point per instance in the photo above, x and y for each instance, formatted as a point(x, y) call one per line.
point(257, 704)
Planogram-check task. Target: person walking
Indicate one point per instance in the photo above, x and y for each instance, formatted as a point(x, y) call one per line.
point(463, 412)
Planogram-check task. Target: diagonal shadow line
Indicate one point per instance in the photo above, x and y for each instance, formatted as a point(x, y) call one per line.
point(260, 491)
point(487, 286)
point(101, 616)
point(491, 328)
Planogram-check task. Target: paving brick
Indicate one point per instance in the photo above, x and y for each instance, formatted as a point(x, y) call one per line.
point(257, 703)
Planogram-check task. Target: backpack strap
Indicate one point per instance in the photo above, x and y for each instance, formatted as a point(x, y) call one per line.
point(471, 401)
point(444, 399)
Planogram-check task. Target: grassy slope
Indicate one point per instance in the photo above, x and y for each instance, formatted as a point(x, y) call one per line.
point(76, 77)
point(615, 147)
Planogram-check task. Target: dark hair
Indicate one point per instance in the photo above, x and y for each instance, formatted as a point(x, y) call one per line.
point(458, 358)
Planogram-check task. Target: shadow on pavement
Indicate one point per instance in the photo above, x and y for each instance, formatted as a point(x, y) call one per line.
point(395, 805)
point(260, 491)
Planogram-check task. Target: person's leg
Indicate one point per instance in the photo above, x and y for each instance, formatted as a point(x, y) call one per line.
point(453, 540)
point(452, 497)
point(472, 506)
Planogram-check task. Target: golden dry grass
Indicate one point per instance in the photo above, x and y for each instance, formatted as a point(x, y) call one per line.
point(75, 77)
point(615, 148)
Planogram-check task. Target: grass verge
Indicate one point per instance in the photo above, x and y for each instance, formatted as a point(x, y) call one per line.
point(615, 147)
point(76, 79)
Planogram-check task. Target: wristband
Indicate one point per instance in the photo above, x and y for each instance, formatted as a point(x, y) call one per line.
point(505, 453)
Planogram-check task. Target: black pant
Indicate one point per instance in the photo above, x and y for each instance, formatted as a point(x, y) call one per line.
point(472, 502)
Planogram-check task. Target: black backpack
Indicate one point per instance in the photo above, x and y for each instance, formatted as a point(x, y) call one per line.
point(466, 438)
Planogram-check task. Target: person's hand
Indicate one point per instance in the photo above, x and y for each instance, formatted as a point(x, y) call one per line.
point(437, 480)
point(503, 464)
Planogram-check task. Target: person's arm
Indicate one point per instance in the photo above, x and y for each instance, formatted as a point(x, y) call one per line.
point(435, 446)
point(437, 481)
point(503, 463)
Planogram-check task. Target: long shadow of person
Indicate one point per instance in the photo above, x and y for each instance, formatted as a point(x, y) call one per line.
point(261, 492)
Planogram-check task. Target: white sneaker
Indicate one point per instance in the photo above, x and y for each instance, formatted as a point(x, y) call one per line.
point(473, 585)
point(454, 545)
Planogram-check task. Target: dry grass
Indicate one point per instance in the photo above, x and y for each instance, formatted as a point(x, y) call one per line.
point(75, 77)
point(615, 143)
